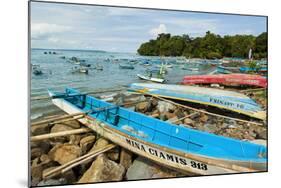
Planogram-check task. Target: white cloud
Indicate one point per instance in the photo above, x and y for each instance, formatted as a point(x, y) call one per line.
point(44, 30)
point(160, 29)
point(195, 25)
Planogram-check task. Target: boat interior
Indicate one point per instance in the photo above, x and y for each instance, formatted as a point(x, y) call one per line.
point(165, 134)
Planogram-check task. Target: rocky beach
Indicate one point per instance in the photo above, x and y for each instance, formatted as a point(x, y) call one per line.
point(119, 164)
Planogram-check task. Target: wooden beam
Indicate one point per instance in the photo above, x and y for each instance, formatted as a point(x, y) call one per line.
point(67, 166)
point(58, 118)
point(180, 119)
point(58, 134)
point(251, 90)
point(91, 92)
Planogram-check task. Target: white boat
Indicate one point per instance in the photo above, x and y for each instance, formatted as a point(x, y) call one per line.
point(229, 100)
point(143, 77)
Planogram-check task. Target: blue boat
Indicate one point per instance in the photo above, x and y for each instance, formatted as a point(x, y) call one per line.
point(126, 66)
point(249, 69)
point(224, 99)
point(227, 70)
point(177, 147)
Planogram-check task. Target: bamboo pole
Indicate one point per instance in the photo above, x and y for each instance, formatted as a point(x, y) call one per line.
point(91, 92)
point(195, 109)
point(58, 134)
point(251, 90)
point(66, 120)
point(180, 119)
point(58, 118)
point(63, 168)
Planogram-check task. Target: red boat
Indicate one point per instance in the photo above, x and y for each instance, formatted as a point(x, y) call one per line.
point(227, 79)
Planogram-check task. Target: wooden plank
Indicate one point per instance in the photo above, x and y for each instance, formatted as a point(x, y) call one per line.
point(67, 166)
point(58, 118)
point(180, 119)
point(251, 90)
point(87, 93)
point(58, 134)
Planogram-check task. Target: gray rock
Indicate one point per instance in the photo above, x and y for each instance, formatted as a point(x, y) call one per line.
point(126, 158)
point(113, 154)
point(146, 169)
point(188, 121)
point(87, 143)
point(164, 107)
point(48, 182)
point(143, 107)
point(60, 128)
point(64, 153)
point(140, 169)
point(101, 142)
point(40, 129)
point(211, 128)
point(262, 134)
point(102, 170)
point(36, 152)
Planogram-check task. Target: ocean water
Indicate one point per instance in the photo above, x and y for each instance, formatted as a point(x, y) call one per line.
point(57, 73)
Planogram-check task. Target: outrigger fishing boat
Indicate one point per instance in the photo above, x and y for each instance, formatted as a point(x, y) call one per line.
point(150, 78)
point(227, 79)
point(126, 66)
point(180, 148)
point(229, 100)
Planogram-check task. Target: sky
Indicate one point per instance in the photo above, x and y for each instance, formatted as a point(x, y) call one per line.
point(115, 29)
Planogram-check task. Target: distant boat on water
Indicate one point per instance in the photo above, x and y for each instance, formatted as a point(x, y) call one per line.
point(150, 78)
point(126, 66)
point(227, 79)
point(227, 70)
point(36, 70)
point(80, 69)
point(228, 100)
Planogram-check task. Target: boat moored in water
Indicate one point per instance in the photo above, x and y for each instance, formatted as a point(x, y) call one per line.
point(180, 148)
point(150, 78)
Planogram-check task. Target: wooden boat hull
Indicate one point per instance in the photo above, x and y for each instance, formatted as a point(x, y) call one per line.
point(158, 80)
point(183, 162)
point(229, 79)
point(228, 100)
point(102, 116)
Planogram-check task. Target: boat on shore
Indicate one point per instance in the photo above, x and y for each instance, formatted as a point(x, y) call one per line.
point(150, 78)
point(180, 148)
point(227, 79)
point(228, 100)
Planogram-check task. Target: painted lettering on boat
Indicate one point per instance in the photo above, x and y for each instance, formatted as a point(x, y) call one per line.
point(167, 156)
point(226, 103)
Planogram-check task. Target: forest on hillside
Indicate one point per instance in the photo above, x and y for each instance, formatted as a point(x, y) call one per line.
point(211, 46)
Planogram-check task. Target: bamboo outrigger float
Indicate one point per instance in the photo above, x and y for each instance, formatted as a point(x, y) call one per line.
point(186, 150)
